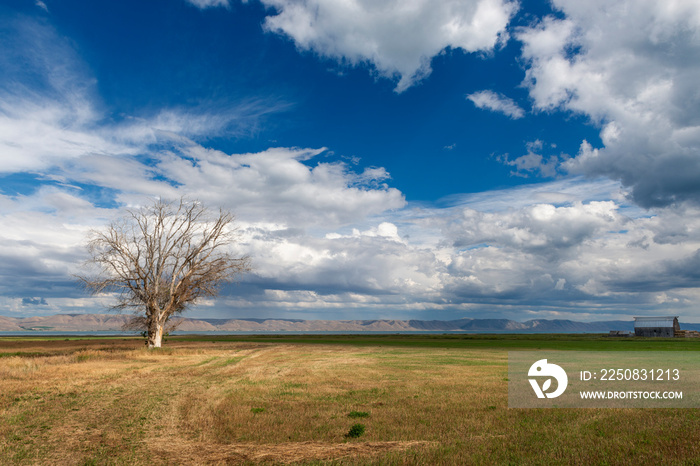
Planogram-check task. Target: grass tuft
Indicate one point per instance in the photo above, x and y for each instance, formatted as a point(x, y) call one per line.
point(357, 430)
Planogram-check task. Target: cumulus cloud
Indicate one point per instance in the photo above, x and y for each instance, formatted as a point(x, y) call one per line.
point(477, 255)
point(592, 257)
point(597, 256)
point(497, 103)
point(632, 67)
point(325, 235)
point(41, 242)
point(54, 135)
point(276, 185)
point(373, 264)
point(533, 162)
point(542, 228)
point(280, 184)
point(397, 37)
point(585, 255)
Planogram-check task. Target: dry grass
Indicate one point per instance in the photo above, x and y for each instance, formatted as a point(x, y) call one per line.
point(185, 452)
point(114, 402)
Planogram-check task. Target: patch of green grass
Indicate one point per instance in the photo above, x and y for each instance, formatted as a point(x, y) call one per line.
point(357, 430)
point(582, 342)
point(294, 385)
point(358, 414)
point(229, 361)
point(218, 361)
point(206, 361)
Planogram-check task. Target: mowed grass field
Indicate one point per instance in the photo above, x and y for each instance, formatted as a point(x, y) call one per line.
point(293, 399)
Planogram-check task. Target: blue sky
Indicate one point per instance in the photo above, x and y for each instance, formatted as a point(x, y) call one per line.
point(385, 159)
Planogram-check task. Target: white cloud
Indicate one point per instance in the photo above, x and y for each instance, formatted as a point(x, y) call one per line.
point(497, 103)
point(55, 119)
point(538, 256)
point(37, 132)
point(58, 121)
point(34, 136)
point(543, 230)
point(583, 255)
point(481, 255)
point(277, 185)
point(633, 68)
point(533, 163)
point(204, 4)
point(398, 37)
point(328, 236)
point(562, 192)
point(55, 134)
point(41, 246)
point(371, 264)
point(595, 257)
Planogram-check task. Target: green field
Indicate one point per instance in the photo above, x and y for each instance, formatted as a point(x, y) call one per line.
point(421, 399)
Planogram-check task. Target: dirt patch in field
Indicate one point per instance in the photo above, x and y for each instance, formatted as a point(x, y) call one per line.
point(184, 452)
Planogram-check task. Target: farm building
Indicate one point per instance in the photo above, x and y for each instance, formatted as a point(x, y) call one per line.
point(656, 326)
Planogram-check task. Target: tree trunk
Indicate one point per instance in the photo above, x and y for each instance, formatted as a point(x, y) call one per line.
point(155, 335)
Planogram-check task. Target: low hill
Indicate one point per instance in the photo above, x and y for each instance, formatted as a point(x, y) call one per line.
point(114, 322)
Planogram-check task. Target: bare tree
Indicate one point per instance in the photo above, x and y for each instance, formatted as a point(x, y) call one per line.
point(161, 259)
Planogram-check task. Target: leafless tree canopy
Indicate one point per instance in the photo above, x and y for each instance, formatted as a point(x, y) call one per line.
point(162, 258)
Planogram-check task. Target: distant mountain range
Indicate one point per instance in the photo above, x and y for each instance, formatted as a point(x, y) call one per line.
point(114, 322)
